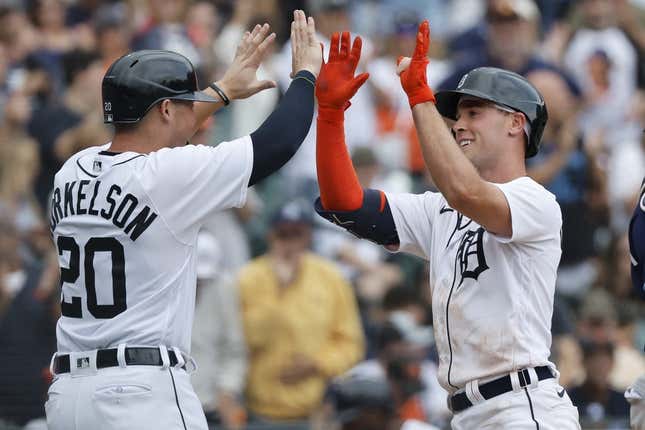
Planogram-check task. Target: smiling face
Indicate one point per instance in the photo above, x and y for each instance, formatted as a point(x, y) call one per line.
point(484, 132)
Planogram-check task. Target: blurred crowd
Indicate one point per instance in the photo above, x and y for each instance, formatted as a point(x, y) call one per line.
point(299, 324)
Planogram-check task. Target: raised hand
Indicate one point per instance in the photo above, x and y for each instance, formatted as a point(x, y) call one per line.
point(240, 80)
point(336, 83)
point(412, 71)
point(305, 47)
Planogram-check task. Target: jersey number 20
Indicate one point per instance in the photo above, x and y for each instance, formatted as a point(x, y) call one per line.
point(70, 274)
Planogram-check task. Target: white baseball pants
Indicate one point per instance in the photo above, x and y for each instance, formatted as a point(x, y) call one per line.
point(132, 397)
point(537, 407)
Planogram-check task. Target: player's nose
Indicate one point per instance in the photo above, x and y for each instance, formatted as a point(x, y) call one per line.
point(457, 127)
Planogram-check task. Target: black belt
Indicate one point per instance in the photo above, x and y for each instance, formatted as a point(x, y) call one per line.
point(108, 358)
point(498, 386)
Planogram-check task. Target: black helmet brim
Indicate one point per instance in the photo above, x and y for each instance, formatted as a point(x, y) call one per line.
point(196, 96)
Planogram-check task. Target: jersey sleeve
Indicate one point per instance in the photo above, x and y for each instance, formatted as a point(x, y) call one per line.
point(535, 214)
point(414, 218)
point(190, 183)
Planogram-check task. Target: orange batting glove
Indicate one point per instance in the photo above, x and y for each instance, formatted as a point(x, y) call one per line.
point(413, 77)
point(336, 83)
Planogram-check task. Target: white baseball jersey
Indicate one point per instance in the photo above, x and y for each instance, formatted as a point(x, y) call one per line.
point(125, 225)
point(492, 297)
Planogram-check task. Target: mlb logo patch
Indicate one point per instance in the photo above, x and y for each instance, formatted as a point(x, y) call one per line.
point(83, 362)
point(108, 117)
point(97, 165)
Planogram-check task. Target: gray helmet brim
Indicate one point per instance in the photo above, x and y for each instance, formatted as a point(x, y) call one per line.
point(447, 101)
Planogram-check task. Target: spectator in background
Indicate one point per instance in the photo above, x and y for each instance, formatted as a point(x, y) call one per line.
point(629, 359)
point(247, 115)
point(112, 32)
point(569, 168)
point(165, 29)
point(402, 348)
point(78, 109)
point(202, 26)
point(597, 318)
point(299, 173)
point(565, 347)
point(18, 169)
point(300, 319)
point(398, 145)
point(359, 403)
point(49, 18)
point(599, 405)
point(510, 40)
point(625, 170)
point(218, 342)
point(604, 62)
point(20, 39)
point(27, 333)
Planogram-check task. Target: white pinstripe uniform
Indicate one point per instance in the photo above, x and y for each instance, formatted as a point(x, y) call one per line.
point(492, 302)
point(126, 228)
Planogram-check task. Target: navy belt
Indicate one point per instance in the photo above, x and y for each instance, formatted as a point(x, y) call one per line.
point(108, 358)
point(496, 387)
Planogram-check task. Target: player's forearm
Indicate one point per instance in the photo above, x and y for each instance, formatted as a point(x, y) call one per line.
point(453, 174)
point(339, 186)
point(282, 133)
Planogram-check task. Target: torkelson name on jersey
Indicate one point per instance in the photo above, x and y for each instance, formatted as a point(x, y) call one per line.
point(75, 201)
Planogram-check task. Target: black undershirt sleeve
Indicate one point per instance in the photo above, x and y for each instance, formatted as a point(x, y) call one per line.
point(282, 133)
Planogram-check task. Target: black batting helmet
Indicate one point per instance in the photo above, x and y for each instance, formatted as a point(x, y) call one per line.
point(137, 81)
point(504, 88)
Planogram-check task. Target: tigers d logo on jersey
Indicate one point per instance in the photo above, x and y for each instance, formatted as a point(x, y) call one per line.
point(470, 256)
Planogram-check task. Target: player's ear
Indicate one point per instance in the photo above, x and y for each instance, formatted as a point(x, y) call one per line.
point(518, 120)
point(165, 109)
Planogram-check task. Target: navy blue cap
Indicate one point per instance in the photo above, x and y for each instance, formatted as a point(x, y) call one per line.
point(293, 212)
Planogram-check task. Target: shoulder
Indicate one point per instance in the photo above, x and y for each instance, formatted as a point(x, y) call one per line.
point(188, 156)
point(529, 186)
point(530, 201)
point(71, 164)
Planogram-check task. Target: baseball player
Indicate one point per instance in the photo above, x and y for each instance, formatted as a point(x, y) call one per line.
point(637, 245)
point(491, 236)
point(125, 218)
point(635, 394)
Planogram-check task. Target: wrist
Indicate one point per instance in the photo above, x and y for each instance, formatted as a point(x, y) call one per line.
point(227, 89)
point(308, 69)
point(331, 114)
point(421, 95)
point(307, 75)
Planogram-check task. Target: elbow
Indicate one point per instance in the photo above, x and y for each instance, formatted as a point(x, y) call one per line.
point(464, 196)
point(458, 197)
